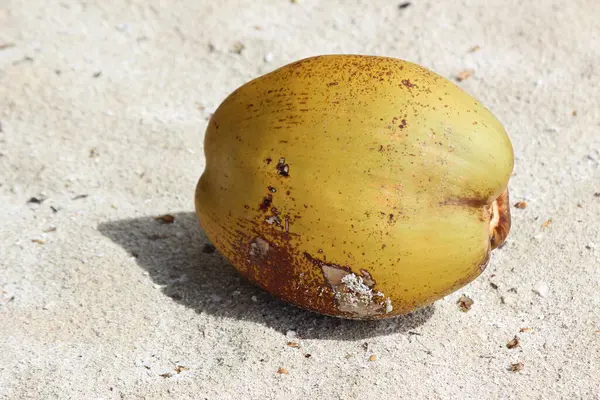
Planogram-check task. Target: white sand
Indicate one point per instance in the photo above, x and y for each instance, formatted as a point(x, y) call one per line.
point(103, 98)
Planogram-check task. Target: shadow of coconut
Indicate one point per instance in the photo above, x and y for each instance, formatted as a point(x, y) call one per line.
point(178, 257)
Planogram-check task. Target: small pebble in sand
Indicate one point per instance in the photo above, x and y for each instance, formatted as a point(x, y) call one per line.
point(237, 48)
point(542, 289)
point(268, 57)
point(291, 333)
point(373, 357)
point(507, 299)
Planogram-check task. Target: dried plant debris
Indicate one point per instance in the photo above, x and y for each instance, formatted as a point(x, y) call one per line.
point(165, 219)
point(525, 330)
point(514, 342)
point(283, 371)
point(474, 48)
point(404, 5)
point(493, 285)
point(373, 357)
point(464, 74)
point(465, 303)
point(547, 223)
point(80, 196)
point(178, 369)
point(515, 367)
point(521, 205)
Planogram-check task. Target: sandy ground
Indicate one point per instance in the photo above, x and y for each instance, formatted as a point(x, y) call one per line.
point(103, 106)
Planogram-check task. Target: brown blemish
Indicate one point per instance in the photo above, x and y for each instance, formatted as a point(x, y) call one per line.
point(468, 202)
point(498, 215)
point(271, 189)
point(266, 203)
point(268, 160)
point(407, 83)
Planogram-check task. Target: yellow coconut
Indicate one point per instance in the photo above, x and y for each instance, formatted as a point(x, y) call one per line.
point(356, 186)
